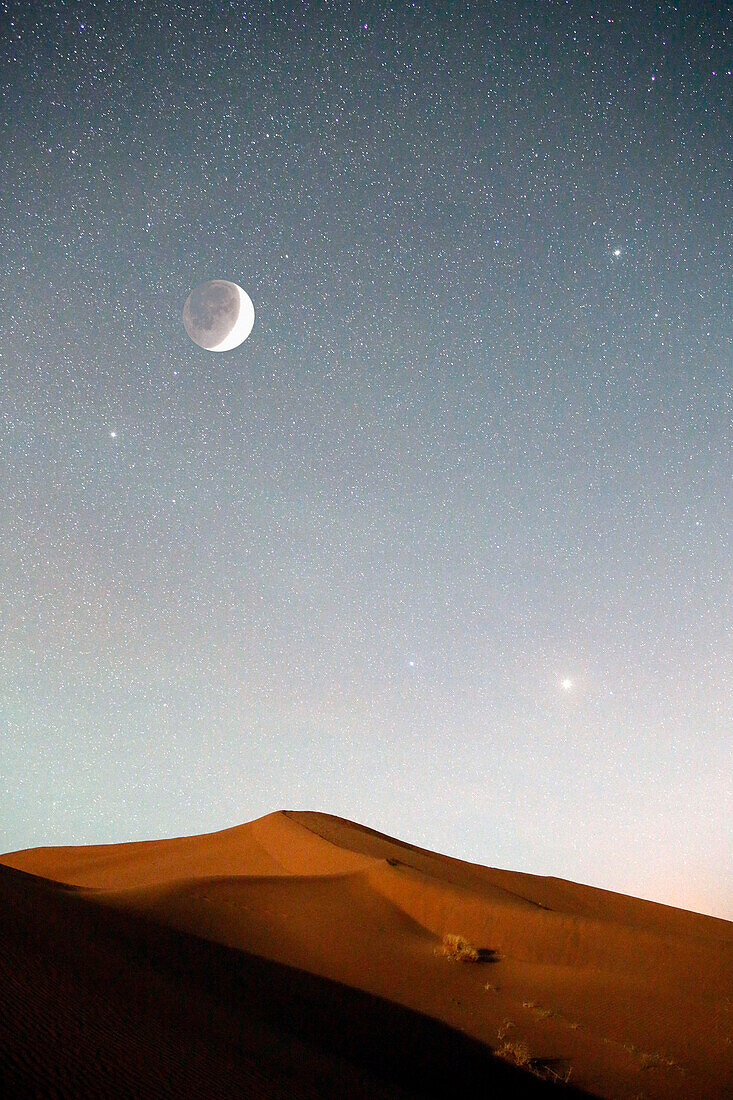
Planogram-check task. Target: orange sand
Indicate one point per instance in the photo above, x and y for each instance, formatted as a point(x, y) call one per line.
point(165, 972)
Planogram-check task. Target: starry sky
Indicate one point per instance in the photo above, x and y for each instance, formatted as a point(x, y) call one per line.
point(445, 546)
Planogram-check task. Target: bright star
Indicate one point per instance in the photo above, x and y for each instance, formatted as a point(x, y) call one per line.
point(617, 252)
point(566, 684)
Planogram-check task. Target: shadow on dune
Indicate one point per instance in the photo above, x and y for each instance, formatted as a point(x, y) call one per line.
point(488, 955)
point(100, 1002)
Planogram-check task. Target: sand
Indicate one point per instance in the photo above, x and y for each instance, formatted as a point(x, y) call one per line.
point(300, 955)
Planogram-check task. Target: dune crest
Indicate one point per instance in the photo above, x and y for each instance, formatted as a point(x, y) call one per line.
point(270, 845)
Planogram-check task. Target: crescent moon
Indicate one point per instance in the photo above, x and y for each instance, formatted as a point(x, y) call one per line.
point(218, 315)
point(242, 326)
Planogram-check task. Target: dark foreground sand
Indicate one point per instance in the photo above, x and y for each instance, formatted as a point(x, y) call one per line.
point(295, 956)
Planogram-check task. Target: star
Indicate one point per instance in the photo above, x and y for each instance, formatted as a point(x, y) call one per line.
point(566, 684)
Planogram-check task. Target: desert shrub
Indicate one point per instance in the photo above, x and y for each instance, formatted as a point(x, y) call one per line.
point(653, 1059)
point(538, 1010)
point(516, 1053)
point(458, 949)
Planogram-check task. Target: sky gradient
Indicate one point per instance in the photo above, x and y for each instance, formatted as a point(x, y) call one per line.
point(445, 546)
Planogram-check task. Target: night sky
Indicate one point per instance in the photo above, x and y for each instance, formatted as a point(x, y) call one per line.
point(445, 546)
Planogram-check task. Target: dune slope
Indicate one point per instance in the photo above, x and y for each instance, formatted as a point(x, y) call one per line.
point(623, 997)
point(98, 1001)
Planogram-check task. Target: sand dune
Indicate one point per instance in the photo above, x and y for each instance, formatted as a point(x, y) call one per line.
point(625, 997)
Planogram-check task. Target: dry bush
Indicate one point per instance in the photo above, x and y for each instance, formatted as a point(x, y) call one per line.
point(505, 1028)
point(653, 1059)
point(516, 1053)
point(457, 949)
point(648, 1059)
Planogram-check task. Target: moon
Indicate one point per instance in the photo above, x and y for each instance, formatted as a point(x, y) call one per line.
point(218, 315)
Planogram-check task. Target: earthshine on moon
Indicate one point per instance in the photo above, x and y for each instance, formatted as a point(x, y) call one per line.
point(218, 315)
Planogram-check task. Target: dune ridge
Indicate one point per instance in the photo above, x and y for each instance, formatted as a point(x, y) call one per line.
point(623, 997)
